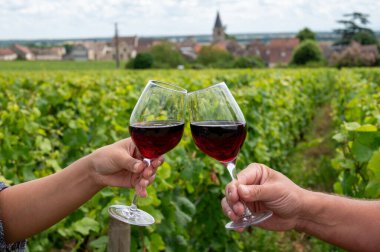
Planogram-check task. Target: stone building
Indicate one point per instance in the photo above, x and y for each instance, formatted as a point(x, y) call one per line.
point(53, 53)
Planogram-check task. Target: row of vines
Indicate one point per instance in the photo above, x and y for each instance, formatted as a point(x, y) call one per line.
point(50, 119)
point(356, 109)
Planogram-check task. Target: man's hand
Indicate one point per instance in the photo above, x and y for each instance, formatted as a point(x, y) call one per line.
point(262, 188)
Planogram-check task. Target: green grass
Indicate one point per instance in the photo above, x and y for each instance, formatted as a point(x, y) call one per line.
point(57, 65)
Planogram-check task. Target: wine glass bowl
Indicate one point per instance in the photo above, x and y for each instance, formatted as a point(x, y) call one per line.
point(155, 138)
point(219, 129)
point(220, 139)
point(156, 126)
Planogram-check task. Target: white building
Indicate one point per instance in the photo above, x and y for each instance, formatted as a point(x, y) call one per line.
point(23, 52)
point(7, 54)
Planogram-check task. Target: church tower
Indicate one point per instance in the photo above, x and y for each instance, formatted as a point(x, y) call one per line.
point(218, 31)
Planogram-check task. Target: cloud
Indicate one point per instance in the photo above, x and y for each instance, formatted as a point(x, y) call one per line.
point(91, 18)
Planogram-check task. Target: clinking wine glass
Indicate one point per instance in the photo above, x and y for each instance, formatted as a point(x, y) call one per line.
point(156, 127)
point(219, 129)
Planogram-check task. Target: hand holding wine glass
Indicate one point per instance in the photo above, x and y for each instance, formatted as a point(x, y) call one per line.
point(121, 164)
point(219, 129)
point(156, 127)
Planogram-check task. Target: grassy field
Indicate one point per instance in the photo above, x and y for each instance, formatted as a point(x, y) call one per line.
point(57, 65)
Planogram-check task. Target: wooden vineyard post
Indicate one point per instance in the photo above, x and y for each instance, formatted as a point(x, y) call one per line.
point(119, 236)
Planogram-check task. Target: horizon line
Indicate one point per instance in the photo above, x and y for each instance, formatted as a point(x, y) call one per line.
point(377, 32)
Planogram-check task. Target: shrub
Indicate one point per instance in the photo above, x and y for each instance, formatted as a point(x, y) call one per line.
point(353, 57)
point(308, 51)
point(248, 62)
point(142, 61)
point(166, 55)
point(214, 57)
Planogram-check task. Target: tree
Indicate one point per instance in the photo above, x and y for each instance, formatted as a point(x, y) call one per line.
point(142, 61)
point(305, 34)
point(307, 52)
point(68, 48)
point(166, 55)
point(214, 57)
point(356, 31)
point(248, 62)
point(365, 38)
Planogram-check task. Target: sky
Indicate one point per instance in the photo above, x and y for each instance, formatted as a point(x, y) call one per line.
point(60, 19)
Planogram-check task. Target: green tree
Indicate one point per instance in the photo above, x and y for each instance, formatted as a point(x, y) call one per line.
point(365, 38)
point(68, 48)
point(355, 29)
point(248, 62)
point(142, 61)
point(305, 34)
point(214, 57)
point(166, 55)
point(307, 52)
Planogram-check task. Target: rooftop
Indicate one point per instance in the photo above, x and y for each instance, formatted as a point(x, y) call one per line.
point(6, 51)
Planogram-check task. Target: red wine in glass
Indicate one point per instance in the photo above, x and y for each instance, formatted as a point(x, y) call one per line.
point(155, 138)
point(156, 127)
point(219, 130)
point(220, 140)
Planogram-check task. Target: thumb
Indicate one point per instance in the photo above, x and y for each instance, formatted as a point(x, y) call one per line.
point(133, 165)
point(251, 193)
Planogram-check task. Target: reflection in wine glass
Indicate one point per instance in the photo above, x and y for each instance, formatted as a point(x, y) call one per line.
point(219, 129)
point(156, 127)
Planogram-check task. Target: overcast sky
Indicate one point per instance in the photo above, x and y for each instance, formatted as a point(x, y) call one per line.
point(49, 19)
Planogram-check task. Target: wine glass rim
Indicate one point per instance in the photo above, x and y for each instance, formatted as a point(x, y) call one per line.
point(168, 86)
point(209, 87)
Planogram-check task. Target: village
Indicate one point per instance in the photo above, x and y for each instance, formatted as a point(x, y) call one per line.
point(273, 52)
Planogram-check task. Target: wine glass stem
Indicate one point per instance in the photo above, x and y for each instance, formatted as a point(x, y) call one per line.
point(135, 197)
point(134, 202)
point(231, 169)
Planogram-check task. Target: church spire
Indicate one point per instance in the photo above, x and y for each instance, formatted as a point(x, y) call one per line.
point(218, 33)
point(218, 21)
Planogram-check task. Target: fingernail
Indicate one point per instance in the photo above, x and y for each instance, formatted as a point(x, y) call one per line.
point(229, 213)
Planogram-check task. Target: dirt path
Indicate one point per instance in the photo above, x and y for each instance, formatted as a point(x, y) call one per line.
point(312, 160)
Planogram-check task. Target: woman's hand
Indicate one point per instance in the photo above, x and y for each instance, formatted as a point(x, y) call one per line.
point(121, 164)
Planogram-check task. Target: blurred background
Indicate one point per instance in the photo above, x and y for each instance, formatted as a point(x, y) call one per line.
point(191, 34)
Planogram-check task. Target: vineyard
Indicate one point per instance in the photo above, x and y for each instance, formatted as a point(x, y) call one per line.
point(320, 127)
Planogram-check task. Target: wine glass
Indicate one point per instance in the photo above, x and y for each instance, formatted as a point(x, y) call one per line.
point(219, 129)
point(156, 127)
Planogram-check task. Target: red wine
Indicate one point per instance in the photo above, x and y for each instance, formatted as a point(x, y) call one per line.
point(221, 140)
point(155, 138)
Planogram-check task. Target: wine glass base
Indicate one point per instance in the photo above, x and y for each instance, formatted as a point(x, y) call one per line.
point(254, 219)
point(133, 216)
